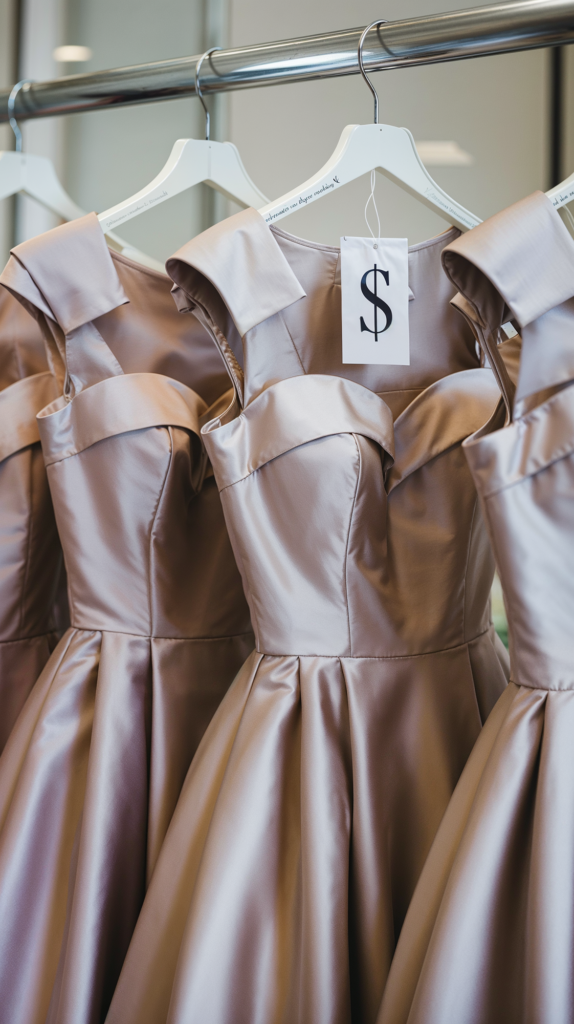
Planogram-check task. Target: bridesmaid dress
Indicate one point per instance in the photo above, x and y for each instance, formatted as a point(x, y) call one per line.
point(30, 553)
point(159, 626)
point(33, 599)
point(489, 936)
point(314, 797)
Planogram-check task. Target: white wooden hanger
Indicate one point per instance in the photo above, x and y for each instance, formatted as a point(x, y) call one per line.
point(31, 174)
point(366, 147)
point(562, 193)
point(36, 177)
point(191, 162)
point(560, 196)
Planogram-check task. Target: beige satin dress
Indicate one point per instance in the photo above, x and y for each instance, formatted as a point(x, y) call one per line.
point(30, 553)
point(95, 762)
point(314, 797)
point(489, 936)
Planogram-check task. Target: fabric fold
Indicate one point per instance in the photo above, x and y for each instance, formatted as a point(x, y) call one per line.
point(440, 417)
point(526, 255)
point(79, 255)
point(327, 407)
point(114, 406)
point(19, 405)
point(231, 256)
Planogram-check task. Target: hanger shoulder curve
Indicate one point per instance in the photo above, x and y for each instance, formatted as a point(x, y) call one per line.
point(36, 177)
point(191, 162)
point(185, 167)
point(11, 173)
point(362, 148)
point(328, 178)
point(403, 165)
point(229, 176)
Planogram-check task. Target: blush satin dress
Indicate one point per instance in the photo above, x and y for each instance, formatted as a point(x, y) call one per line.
point(30, 552)
point(159, 624)
point(489, 936)
point(317, 790)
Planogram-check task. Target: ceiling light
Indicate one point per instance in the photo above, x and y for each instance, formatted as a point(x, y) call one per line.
point(72, 54)
point(443, 154)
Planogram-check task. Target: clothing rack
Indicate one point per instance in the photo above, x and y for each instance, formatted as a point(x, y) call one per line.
point(497, 28)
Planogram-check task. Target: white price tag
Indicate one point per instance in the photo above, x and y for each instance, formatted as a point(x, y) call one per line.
point(375, 300)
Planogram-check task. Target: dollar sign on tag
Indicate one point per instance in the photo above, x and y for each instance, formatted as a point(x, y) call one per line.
point(377, 302)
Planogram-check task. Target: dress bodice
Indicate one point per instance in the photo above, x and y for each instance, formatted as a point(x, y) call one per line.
point(349, 503)
point(124, 460)
point(30, 554)
point(519, 267)
point(22, 350)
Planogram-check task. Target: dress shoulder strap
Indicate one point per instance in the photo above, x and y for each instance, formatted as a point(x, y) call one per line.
point(66, 279)
point(234, 277)
point(518, 267)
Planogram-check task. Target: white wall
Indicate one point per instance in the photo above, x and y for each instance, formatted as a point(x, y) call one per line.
point(113, 153)
point(494, 107)
point(42, 28)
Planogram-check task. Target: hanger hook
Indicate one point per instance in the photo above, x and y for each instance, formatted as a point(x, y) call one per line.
point(13, 122)
point(362, 67)
point(198, 91)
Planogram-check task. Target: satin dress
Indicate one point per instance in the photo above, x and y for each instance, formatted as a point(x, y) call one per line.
point(30, 552)
point(159, 627)
point(489, 936)
point(314, 797)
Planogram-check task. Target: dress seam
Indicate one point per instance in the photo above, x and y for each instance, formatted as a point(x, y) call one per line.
point(292, 340)
point(351, 513)
point(29, 523)
point(472, 676)
point(466, 566)
point(148, 636)
point(441, 238)
point(151, 560)
point(380, 657)
point(541, 689)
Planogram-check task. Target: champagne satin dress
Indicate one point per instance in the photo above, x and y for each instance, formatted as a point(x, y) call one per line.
point(489, 936)
point(30, 552)
point(313, 799)
point(159, 626)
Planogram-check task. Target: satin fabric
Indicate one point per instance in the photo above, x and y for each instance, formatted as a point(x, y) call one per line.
point(316, 792)
point(159, 625)
point(31, 615)
point(489, 936)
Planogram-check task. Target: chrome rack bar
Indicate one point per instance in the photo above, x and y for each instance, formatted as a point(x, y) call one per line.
point(496, 28)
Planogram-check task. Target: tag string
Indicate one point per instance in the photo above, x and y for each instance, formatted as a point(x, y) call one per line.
point(372, 200)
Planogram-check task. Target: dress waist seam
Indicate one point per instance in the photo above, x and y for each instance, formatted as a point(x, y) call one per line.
point(380, 657)
point(155, 636)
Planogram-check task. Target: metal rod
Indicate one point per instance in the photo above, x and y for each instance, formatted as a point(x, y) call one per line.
point(556, 114)
point(497, 28)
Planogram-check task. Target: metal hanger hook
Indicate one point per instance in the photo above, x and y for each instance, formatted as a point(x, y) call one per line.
point(198, 91)
point(362, 67)
point(13, 122)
